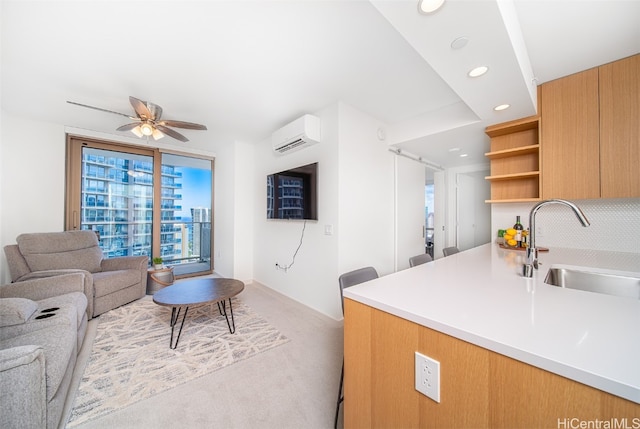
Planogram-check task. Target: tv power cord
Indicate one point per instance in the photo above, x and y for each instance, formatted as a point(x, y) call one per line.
point(285, 268)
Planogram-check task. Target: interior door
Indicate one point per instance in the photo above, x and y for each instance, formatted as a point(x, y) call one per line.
point(466, 218)
point(439, 214)
point(473, 215)
point(410, 217)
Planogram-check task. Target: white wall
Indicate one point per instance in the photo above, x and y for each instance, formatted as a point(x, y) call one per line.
point(224, 210)
point(312, 280)
point(355, 197)
point(33, 170)
point(244, 210)
point(366, 194)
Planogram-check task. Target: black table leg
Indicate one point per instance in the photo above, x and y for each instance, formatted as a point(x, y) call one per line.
point(174, 318)
point(223, 310)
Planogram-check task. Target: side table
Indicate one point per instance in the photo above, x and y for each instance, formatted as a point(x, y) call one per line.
point(158, 279)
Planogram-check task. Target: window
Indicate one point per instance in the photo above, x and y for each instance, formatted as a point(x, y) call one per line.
point(142, 202)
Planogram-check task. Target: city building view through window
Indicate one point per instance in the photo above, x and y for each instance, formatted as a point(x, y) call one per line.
point(118, 203)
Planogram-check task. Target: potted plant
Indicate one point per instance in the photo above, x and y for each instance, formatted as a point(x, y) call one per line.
point(157, 263)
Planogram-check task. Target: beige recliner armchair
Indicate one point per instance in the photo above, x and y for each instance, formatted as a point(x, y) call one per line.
point(109, 283)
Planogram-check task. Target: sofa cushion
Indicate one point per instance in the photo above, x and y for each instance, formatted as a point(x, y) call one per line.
point(14, 311)
point(108, 282)
point(61, 250)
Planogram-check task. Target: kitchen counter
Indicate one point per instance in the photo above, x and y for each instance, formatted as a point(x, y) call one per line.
point(480, 296)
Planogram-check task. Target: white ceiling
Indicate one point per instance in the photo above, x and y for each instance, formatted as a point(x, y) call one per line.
point(246, 68)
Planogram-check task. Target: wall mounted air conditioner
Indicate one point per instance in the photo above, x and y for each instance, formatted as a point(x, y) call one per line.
point(299, 134)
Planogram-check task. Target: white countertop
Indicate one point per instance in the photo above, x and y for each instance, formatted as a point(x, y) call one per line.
point(480, 296)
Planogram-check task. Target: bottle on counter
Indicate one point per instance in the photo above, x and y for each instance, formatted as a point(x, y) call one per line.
point(519, 228)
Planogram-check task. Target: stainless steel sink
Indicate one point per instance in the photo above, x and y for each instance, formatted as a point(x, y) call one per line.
point(610, 284)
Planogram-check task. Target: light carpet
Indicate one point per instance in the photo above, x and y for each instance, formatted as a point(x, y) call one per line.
point(131, 359)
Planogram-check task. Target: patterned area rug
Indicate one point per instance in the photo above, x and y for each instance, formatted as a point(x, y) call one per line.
point(131, 359)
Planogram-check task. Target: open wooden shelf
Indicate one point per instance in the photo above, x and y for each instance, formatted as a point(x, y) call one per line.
point(512, 127)
point(513, 176)
point(505, 153)
point(515, 160)
point(514, 200)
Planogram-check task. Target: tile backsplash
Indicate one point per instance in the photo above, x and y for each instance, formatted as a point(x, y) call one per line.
point(615, 224)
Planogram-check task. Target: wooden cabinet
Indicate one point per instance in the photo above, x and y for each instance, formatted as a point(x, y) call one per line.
point(584, 143)
point(590, 133)
point(478, 388)
point(570, 137)
point(619, 85)
point(515, 161)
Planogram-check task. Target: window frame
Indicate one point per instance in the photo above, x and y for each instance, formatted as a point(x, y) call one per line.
point(73, 185)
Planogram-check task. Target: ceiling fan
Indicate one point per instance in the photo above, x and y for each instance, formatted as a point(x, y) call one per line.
point(148, 121)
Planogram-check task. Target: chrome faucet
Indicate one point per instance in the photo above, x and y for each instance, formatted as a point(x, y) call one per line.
point(532, 251)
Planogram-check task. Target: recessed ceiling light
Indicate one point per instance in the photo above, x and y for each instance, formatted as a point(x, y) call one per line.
point(460, 42)
point(501, 107)
point(463, 155)
point(429, 6)
point(478, 71)
point(454, 149)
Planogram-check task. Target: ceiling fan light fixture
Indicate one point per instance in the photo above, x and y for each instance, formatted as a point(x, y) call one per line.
point(157, 135)
point(146, 129)
point(429, 6)
point(137, 131)
point(148, 120)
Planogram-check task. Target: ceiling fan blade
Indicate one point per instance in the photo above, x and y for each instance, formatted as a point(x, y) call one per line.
point(102, 110)
point(155, 110)
point(182, 124)
point(128, 127)
point(141, 108)
point(171, 133)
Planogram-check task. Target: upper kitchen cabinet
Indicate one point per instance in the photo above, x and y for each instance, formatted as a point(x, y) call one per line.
point(590, 133)
point(620, 128)
point(570, 147)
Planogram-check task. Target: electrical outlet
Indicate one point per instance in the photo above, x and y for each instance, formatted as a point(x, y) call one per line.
point(427, 376)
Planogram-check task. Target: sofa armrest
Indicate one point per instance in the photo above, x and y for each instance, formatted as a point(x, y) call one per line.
point(40, 285)
point(125, 263)
point(23, 387)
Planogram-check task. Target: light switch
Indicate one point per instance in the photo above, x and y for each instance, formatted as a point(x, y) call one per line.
point(328, 230)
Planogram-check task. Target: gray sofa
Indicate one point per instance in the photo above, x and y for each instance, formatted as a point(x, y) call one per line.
point(109, 283)
point(42, 326)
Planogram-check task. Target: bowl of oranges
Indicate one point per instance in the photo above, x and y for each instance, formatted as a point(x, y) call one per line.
point(509, 237)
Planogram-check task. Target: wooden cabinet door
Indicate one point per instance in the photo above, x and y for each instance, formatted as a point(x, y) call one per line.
point(570, 137)
point(620, 128)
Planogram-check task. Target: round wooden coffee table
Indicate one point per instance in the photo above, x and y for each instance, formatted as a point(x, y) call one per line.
point(193, 292)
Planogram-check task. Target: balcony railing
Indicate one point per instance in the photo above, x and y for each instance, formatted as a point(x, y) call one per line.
point(184, 245)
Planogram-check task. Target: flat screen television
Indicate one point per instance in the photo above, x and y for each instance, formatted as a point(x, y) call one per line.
point(293, 194)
